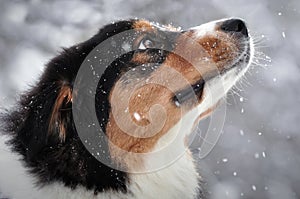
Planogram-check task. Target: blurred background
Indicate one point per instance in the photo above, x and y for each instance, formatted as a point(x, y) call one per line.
point(258, 153)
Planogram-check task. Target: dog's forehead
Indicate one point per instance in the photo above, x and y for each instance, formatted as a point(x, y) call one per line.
point(142, 24)
point(129, 33)
point(152, 26)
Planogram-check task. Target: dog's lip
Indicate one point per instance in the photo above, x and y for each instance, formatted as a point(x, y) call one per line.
point(189, 92)
point(192, 92)
point(244, 57)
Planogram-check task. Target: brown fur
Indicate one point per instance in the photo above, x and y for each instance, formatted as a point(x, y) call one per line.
point(143, 25)
point(130, 140)
point(64, 97)
point(209, 54)
point(220, 50)
point(141, 58)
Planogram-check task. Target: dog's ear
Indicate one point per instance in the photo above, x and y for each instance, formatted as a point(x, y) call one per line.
point(58, 118)
point(44, 118)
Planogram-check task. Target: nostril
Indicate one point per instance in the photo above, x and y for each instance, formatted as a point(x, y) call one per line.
point(235, 26)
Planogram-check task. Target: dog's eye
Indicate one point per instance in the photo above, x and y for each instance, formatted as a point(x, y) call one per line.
point(145, 43)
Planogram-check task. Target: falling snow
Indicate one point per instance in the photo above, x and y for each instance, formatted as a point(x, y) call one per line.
point(283, 34)
point(34, 34)
point(256, 155)
point(137, 116)
point(242, 132)
point(224, 160)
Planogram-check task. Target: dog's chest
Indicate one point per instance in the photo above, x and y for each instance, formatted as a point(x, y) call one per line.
point(179, 180)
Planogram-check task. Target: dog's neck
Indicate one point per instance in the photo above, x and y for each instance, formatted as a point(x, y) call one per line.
point(178, 180)
point(175, 174)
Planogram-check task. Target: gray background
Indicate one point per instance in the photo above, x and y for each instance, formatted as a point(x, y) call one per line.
point(258, 154)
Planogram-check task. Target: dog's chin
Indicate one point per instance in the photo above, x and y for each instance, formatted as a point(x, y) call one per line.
point(244, 60)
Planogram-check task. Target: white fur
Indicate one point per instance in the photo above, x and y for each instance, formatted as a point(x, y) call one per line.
point(179, 180)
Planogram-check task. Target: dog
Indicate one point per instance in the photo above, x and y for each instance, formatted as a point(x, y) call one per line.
point(148, 98)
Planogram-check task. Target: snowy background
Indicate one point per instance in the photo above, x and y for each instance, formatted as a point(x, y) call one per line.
point(258, 154)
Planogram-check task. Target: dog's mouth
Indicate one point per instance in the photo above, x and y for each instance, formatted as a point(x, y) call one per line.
point(190, 92)
point(194, 91)
point(243, 57)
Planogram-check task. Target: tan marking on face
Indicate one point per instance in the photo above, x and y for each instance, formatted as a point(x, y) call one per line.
point(185, 68)
point(143, 25)
point(222, 51)
point(141, 58)
point(141, 100)
point(64, 97)
point(140, 103)
point(209, 54)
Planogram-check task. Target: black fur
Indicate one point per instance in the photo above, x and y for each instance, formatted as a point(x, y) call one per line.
point(46, 155)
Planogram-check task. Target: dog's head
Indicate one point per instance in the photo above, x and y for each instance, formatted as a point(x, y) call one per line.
point(161, 76)
point(165, 74)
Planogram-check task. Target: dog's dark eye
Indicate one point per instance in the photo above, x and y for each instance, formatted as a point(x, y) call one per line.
point(146, 43)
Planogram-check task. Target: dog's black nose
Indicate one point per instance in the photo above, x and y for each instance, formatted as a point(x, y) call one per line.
point(235, 26)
